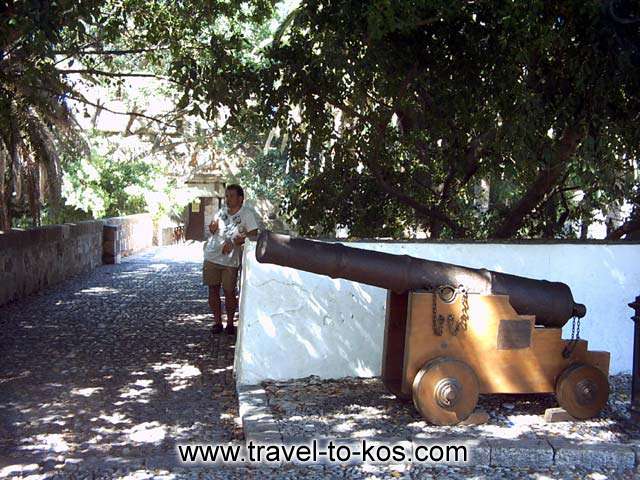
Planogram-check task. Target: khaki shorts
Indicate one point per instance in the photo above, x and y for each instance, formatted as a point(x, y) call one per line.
point(216, 275)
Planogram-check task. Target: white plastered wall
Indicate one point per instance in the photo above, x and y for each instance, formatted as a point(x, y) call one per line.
point(294, 324)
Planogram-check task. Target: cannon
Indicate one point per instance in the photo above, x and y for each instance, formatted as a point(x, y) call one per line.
point(453, 332)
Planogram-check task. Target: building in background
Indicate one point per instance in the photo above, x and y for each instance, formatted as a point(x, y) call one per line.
point(201, 211)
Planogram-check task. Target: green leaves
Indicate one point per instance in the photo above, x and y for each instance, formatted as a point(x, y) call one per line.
point(392, 100)
point(390, 113)
point(106, 188)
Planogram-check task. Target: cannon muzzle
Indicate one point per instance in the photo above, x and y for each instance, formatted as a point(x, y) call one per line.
point(551, 302)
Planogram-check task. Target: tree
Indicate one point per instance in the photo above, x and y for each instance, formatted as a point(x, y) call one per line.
point(50, 51)
point(28, 111)
point(395, 109)
point(391, 113)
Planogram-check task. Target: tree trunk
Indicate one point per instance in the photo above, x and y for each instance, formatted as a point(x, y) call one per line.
point(435, 228)
point(5, 223)
point(544, 183)
point(584, 229)
point(550, 221)
point(33, 191)
point(46, 154)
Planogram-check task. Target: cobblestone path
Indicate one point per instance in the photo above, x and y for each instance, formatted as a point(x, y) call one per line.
point(113, 369)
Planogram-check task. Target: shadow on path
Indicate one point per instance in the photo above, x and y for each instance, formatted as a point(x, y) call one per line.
point(116, 367)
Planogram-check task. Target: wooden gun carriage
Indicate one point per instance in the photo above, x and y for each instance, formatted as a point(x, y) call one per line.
point(452, 332)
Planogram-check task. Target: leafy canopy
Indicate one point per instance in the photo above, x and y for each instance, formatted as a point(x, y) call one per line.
point(394, 113)
point(396, 110)
point(384, 116)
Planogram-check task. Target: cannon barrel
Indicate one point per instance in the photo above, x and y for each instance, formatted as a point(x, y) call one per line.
point(551, 302)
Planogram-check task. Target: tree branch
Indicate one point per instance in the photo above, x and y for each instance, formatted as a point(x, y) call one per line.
point(426, 21)
point(134, 114)
point(115, 74)
point(372, 161)
point(631, 225)
point(109, 52)
point(335, 103)
point(547, 179)
point(426, 211)
point(472, 164)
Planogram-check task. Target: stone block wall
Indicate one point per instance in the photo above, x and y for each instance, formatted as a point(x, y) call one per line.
point(136, 232)
point(167, 236)
point(36, 258)
point(33, 259)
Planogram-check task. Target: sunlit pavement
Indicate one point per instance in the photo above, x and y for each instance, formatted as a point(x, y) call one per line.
point(113, 369)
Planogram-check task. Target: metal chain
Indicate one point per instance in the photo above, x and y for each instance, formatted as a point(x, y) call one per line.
point(438, 325)
point(464, 317)
point(575, 336)
point(455, 327)
point(439, 320)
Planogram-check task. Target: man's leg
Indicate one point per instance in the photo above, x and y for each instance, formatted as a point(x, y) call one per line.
point(229, 279)
point(212, 277)
point(215, 303)
point(231, 304)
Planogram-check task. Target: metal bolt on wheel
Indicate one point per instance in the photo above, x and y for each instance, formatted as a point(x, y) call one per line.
point(582, 390)
point(445, 391)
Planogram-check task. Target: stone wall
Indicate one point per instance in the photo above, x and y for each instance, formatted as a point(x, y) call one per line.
point(136, 232)
point(33, 259)
point(36, 258)
point(166, 231)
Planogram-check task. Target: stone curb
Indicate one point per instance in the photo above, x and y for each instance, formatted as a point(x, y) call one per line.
point(260, 426)
point(258, 423)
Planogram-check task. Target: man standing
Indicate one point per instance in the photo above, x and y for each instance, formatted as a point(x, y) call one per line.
point(229, 228)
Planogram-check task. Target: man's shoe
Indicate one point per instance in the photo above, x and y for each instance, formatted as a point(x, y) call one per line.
point(230, 330)
point(217, 328)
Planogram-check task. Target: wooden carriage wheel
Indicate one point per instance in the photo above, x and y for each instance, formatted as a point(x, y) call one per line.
point(582, 390)
point(445, 391)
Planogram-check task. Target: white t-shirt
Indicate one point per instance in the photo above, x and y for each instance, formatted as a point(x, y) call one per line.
point(229, 226)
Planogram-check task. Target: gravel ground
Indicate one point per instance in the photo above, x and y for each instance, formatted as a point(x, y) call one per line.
point(357, 408)
point(367, 472)
point(103, 375)
point(363, 408)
